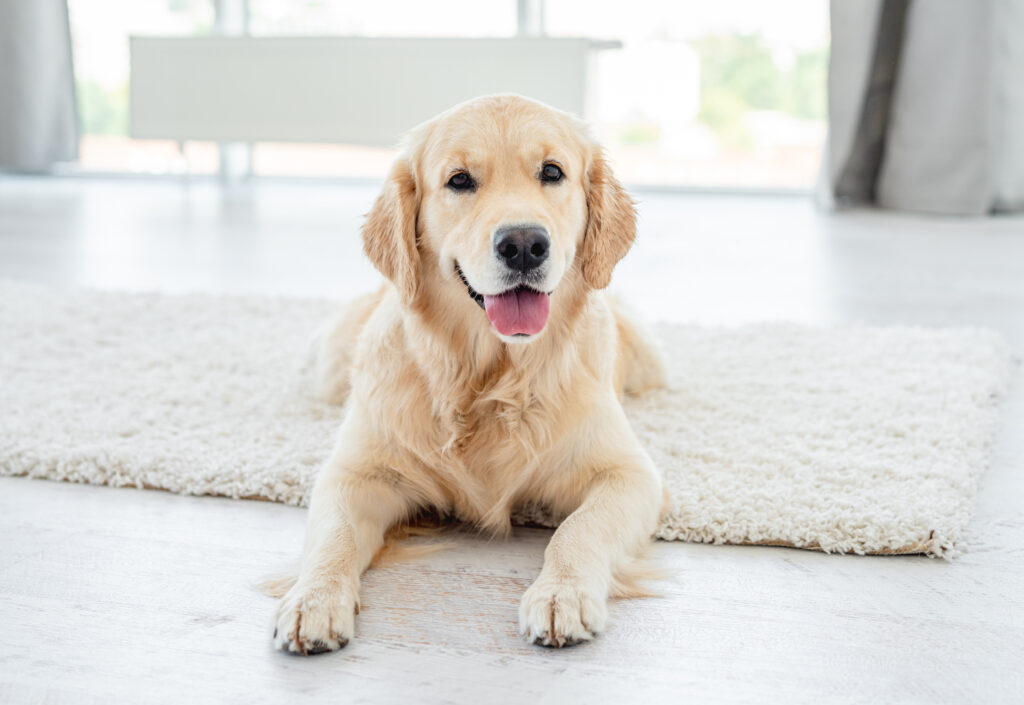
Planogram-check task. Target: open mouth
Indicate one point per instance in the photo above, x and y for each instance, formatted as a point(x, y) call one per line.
point(519, 311)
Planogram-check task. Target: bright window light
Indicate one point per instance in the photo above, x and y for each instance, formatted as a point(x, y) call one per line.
point(723, 95)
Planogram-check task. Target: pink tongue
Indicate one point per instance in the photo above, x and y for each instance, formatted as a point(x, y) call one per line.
point(518, 311)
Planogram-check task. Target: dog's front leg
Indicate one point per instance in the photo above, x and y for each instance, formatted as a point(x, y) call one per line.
point(349, 512)
point(568, 603)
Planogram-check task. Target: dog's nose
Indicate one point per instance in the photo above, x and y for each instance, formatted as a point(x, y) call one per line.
point(522, 247)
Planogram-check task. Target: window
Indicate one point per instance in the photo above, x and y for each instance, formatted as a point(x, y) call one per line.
point(99, 37)
point(729, 94)
point(392, 18)
point(725, 94)
point(383, 18)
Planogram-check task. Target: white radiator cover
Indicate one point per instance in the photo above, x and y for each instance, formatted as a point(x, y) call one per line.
point(349, 90)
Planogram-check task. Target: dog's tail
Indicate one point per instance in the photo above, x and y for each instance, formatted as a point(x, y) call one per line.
point(277, 584)
point(628, 580)
point(394, 550)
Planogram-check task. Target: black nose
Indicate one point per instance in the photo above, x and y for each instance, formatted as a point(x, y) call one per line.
point(522, 247)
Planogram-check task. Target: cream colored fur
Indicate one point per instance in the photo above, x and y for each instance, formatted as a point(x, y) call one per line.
point(445, 413)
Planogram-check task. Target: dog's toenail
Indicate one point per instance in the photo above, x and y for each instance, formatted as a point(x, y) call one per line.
point(319, 647)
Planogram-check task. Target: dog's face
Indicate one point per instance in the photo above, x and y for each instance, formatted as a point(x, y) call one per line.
point(503, 204)
point(504, 200)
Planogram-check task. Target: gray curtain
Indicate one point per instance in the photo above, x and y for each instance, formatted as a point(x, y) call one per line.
point(926, 106)
point(38, 116)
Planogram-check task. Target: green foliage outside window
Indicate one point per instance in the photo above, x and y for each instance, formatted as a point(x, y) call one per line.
point(102, 111)
point(103, 106)
point(738, 74)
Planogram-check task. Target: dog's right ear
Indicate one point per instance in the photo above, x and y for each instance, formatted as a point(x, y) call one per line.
point(389, 233)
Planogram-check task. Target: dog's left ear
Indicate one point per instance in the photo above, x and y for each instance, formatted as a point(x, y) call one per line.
point(389, 233)
point(611, 223)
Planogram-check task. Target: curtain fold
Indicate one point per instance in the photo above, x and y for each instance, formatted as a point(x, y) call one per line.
point(926, 106)
point(38, 112)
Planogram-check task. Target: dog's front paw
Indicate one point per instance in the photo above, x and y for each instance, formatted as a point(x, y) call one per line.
point(561, 612)
point(314, 620)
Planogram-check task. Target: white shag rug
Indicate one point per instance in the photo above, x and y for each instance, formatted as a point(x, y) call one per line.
point(856, 439)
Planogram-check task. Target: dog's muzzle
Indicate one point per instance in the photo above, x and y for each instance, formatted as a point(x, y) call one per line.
point(520, 310)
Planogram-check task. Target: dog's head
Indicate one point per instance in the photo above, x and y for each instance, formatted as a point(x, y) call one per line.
point(501, 202)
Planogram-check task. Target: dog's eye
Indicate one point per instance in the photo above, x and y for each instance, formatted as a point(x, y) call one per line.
point(461, 182)
point(551, 173)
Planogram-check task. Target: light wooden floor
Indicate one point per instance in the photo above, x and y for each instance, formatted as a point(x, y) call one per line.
point(114, 595)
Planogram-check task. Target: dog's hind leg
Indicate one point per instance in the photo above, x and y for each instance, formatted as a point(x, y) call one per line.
point(641, 364)
point(334, 348)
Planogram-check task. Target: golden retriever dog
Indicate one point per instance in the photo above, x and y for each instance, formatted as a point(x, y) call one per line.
point(486, 374)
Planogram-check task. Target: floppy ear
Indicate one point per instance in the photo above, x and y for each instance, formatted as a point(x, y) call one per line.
point(389, 233)
point(611, 224)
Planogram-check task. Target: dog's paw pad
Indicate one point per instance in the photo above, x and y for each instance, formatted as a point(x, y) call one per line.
point(314, 620)
point(558, 614)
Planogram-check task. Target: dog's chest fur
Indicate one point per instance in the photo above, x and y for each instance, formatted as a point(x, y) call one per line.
point(490, 422)
point(475, 427)
point(496, 444)
point(493, 436)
